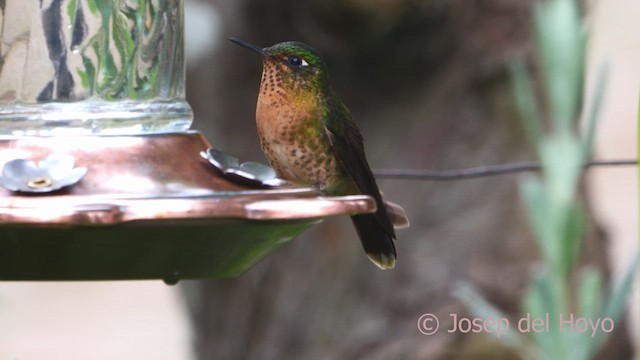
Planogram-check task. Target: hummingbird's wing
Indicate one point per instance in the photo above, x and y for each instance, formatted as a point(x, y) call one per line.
point(375, 230)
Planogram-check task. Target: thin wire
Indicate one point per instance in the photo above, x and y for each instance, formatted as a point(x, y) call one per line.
point(482, 171)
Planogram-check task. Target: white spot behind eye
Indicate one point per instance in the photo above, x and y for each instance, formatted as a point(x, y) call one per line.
point(304, 62)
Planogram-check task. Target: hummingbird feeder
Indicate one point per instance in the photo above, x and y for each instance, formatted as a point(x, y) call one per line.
point(101, 177)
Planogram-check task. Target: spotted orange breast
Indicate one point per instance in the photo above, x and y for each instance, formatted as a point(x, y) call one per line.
point(291, 133)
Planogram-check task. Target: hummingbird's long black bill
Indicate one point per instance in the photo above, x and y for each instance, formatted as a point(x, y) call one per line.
point(249, 46)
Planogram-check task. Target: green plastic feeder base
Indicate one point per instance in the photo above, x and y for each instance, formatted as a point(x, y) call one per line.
point(141, 250)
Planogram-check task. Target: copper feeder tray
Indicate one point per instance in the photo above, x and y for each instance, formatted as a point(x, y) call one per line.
point(149, 207)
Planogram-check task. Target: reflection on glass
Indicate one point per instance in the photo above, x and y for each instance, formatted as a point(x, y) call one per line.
point(92, 66)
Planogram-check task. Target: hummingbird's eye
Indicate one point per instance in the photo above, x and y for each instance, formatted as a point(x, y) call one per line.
point(297, 61)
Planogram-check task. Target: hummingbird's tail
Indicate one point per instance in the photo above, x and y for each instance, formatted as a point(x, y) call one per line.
point(377, 243)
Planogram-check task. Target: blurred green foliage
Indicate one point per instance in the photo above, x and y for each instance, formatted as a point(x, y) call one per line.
point(552, 207)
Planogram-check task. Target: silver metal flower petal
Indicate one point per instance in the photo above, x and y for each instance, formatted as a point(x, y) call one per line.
point(220, 159)
point(52, 173)
point(255, 171)
point(57, 164)
point(249, 172)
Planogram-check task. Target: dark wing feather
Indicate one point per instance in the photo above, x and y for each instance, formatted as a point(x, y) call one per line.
point(348, 147)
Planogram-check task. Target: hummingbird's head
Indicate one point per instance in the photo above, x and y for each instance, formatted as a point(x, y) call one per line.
point(294, 63)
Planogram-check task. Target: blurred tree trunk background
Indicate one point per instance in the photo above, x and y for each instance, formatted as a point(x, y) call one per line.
point(428, 84)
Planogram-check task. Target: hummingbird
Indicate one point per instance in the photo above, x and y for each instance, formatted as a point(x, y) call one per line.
point(308, 136)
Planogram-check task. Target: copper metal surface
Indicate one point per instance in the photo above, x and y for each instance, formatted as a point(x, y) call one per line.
point(152, 177)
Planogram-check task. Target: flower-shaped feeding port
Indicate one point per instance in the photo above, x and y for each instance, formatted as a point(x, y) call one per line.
point(52, 173)
point(251, 173)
